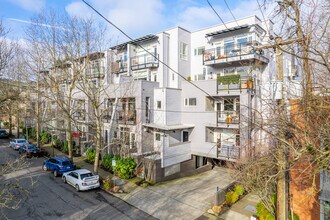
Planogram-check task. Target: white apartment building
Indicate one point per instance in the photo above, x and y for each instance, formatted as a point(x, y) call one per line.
point(195, 100)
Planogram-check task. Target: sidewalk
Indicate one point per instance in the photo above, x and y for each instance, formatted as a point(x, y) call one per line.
point(184, 198)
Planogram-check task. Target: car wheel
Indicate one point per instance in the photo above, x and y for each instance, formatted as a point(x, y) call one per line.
point(77, 187)
point(44, 167)
point(64, 179)
point(55, 173)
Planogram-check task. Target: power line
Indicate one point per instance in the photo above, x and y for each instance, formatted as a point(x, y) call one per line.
point(263, 16)
point(154, 56)
point(231, 13)
point(217, 14)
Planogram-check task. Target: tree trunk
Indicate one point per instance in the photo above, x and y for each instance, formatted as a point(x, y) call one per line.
point(10, 122)
point(98, 146)
point(69, 136)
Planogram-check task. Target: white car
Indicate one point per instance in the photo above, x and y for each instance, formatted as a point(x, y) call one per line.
point(81, 179)
point(17, 143)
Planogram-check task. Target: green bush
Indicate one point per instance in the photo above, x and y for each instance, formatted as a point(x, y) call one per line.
point(124, 168)
point(263, 213)
point(6, 124)
point(90, 155)
point(107, 162)
point(45, 137)
point(231, 197)
point(239, 190)
point(57, 143)
point(229, 79)
point(66, 147)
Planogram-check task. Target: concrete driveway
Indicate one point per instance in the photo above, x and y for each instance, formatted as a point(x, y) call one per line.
point(184, 198)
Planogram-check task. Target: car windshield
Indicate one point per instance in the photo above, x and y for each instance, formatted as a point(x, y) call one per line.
point(66, 163)
point(82, 176)
point(2, 132)
point(21, 141)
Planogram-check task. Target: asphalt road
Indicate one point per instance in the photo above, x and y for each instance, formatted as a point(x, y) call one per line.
point(49, 198)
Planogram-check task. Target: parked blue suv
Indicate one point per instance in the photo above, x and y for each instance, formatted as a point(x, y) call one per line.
point(58, 164)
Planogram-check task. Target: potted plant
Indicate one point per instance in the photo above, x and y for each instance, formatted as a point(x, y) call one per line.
point(229, 119)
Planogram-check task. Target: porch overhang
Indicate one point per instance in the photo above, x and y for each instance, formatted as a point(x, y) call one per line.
point(169, 127)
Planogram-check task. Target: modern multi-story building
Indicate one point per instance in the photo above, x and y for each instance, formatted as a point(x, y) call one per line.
point(184, 100)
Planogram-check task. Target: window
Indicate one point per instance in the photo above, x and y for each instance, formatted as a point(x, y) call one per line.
point(228, 104)
point(147, 107)
point(190, 102)
point(159, 104)
point(200, 161)
point(185, 136)
point(124, 135)
point(183, 51)
point(199, 51)
point(157, 136)
point(132, 140)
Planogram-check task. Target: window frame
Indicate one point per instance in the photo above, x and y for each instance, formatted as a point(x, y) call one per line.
point(183, 51)
point(188, 102)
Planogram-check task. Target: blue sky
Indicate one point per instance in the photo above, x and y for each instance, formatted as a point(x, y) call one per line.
point(135, 17)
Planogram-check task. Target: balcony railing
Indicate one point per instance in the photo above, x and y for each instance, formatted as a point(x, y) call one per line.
point(233, 52)
point(236, 82)
point(80, 114)
point(229, 151)
point(107, 116)
point(119, 67)
point(144, 61)
point(128, 117)
point(95, 72)
point(229, 117)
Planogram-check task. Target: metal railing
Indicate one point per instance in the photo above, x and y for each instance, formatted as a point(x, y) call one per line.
point(144, 61)
point(229, 151)
point(231, 50)
point(229, 117)
point(244, 82)
point(119, 67)
point(95, 72)
point(80, 114)
point(127, 116)
point(107, 116)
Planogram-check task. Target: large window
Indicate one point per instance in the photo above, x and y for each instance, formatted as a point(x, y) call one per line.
point(200, 161)
point(157, 136)
point(183, 51)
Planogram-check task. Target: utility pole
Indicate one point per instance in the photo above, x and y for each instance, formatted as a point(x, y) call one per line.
point(282, 206)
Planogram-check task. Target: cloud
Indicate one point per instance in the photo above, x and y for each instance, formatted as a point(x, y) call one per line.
point(29, 5)
point(78, 9)
point(134, 17)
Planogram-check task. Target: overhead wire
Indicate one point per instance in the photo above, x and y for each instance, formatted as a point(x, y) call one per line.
point(216, 13)
point(153, 55)
point(231, 13)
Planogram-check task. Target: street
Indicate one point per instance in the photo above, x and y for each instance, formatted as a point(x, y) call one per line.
point(50, 198)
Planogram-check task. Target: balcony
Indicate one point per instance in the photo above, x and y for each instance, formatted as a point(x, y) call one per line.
point(233, 53)
point(229, 151)
point(95, 72)
point(228, 117)
point(79, 114)
point(119, 66)
point(106, 118)
point(126, 117)
point(234, 82)
point(144, 61)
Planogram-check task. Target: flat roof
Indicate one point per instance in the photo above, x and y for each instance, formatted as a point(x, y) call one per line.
point(169, 127)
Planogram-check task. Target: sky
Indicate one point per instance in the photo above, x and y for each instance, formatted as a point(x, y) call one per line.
point(135, 17)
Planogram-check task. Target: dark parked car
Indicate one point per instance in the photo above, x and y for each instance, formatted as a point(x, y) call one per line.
point(58, 164)
point(3, 133)
point(28, 149)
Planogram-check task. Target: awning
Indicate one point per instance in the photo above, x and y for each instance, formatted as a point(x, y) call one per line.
point(228, 30)
point(169, 127)
point(136, 41)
